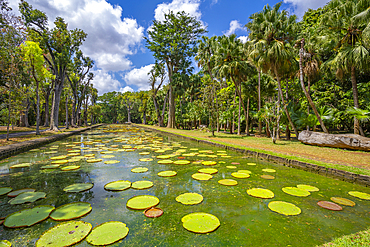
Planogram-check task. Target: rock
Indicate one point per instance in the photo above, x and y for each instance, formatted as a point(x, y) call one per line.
point(348, 141)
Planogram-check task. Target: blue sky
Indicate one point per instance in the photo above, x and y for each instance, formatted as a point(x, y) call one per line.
point(116, 29)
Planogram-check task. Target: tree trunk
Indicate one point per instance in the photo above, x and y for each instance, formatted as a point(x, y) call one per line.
point(171, 110)
point(233, 120)
point(9, 107)
point(355, 99)
point(239, 112)
point(47, 97)
point(144, 117)
point(74, 112)
point(26, 123)
point(247, 120)
point(54, 121)
point(67, 127)
point(37, 109)
point(259, 102)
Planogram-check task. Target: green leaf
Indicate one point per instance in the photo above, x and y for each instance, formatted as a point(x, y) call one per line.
point(14, 193)
point(167, 173)
point(79, 187)
point(71, 211)
point(189, 198)
point(360, 195)
point(307, 187)
point(296, 191)
point(142, 185)
point(208, 170)
point(201, 176)
point(139, 170)
point(228, 182)
point(118, 185)
point(284, 208)
point(142, 202)
point(107, 233)
point(5, 190)
point(200, 222)
point(343, 201)
point(261, 193)
point(5, 243)
point(27, 197)
point(28, 217)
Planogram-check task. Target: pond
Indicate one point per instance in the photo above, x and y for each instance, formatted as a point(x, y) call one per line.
point(244, 220)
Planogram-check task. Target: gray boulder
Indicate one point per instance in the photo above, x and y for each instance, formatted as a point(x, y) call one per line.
point(348, 141)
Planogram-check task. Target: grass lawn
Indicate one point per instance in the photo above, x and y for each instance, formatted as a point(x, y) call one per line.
point(347, 160)
point(19, 129)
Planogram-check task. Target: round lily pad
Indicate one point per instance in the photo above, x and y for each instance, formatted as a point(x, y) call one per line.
point(142, 202)
point(202, 176)
point(50, 166)
point(231, 167)
point(209, 163)
point(139, 169)
point(284, 208)
point(28, 217)
point(294, 191)
point(165, 161)
point(167, 174)
point(93, 160)
point(51, 152)
point(79, 187)
point(200, 222)
point(71, 211)
point(108, 156)
point(146, 159)
point(59, 162)
point(5, 243)
point(208, 170)
point(163, 156)
point(106, 152)
point(5, 190)
point(189, 198)
point(235, 163)
point(308, 187)
point(228, 182)
point(267, 177)
point(251, 164)
point(142, 185)
point(343, 201)
point(245, 171)
point(268, 170)
point(111, 162)
point(64, 234)
point(23, 165)
point(69, 168)
point(27, 197)
point(240, 175)
point(360, 195)
point(118, 185)
point(153, 212)
point(144, 153)
point(89, 155)
point(329, 205)
point(261, 193)
point(62, 157)
point(14, 193)
point(181, 162)
point(107, 233)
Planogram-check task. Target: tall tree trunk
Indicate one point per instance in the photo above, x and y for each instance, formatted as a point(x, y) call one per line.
point(301, 78)
point(74, 112)
point(171, 110)
point(285, 106)
point(247, 120)
point(54, 119)
point(47, 98)
point(239, 112)
point(233, 120)
point(9, 107)
point(37, 109)
point(67, 127)
point(26, 123)
point(239, 91)
point(355, 99)
point(259, 102)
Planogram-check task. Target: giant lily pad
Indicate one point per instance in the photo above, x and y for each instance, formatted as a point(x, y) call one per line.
point(139, 169)
point(163, 156)
point(5, 243)
point(181, 162)
point(142, 202)
point(165, 161)
point(329, 205)
point(14, 193)
point(27, 197)
point(111, 162)
point(74, 188)
point(240, 175)
point(296, 191)
point(200, 222)
point(64, 234)
point(5, 190)
point(118, 185)
point(245, 171)
point(108, 156)
point(51, 152)
point(308, 187)
point(228, 182)
point(28, 217)
point(153, 212)
point(343, 201)
point(71, 211)
point(62, 157)
point(69, 168)
point(360, 195)
point(23, 165)
point(209, 163)
point(208, 170)
point(59, 162)
point(284, 208)
point(142, 185)
point(107, 233)
point(50, 166)
point(231, 167)
point(167, 173)
point(202, 176)
point(146, 159)
point(251, 164)
point(268, 170)
point(189, 198)
point(93, 160)
point(267, 177)
point(261, 193)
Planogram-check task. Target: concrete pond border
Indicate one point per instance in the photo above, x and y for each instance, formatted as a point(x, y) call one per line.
point(16, 148)
point(322, 170)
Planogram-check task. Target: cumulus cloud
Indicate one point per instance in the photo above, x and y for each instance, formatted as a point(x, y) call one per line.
point(234, 25)
point(301, 6)
point(189, 6)
point(105, 82)
point(243, 39)
point(126, 89)
point(139, 77)
point(110, 37)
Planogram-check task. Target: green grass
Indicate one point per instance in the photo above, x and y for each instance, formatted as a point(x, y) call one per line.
point(357, 239)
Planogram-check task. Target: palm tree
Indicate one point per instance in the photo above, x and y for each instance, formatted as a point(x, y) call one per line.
point(272, 43)
point(351, 52)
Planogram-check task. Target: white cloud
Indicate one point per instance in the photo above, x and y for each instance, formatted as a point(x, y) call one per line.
point(110, 36)
point(301, 6)
point(234, 25)
point(189, 6)
point(243, 39)
point(126, 89)
point(105, 82)
point(139, 77)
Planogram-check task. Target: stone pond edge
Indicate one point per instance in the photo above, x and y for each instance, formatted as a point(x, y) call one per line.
point(16, 148)
point(328, 172)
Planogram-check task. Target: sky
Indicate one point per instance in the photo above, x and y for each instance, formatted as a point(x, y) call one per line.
point(116, 30)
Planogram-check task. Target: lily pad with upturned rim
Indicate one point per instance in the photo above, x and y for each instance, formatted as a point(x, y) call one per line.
point(71, 211)
point(139, 169)
point(142, 202)
point(163, 156)
point(294, 191)
point(309, 188)
point(50, 166)
point(108, 156)
point(269, 177)
point(22, 165)
point(208, 170)
point(360, 195)
point(59, 162)
point(5, 190)
point(231, 167)
point(15, 193)
point(107, 233)
point(165, 161)
point(69, 168)
point(93, 160)
point(167, 173)
point(181, 162)
point(284, 208)
point(110, 162)
point(343, 201)
point(269, 170)
point(27, 197)
point(153, 212)
point(189, 198)
point(28, 217)
point(64, 234)
point(240, 175)
point(200, 222)
point(5, 243)
point(62, 157)
point(261, 193)
point(146, 159)
point(209, 163)
point(78, 187)
point(329, 205)
point(245, 171)
point(118, 185)
point(201, 176)
point(251, 164)
point(228, 182)
point(142, 185)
